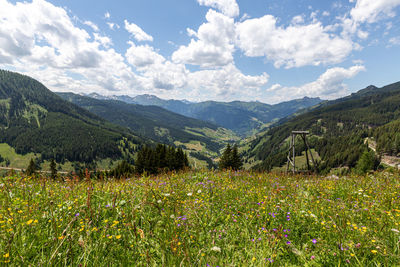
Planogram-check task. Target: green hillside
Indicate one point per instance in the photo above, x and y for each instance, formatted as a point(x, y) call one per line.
point(244, 118)
point(35, 120)
point(201, 139)
point(338, 130)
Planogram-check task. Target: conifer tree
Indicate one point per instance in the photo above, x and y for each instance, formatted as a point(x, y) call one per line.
point(225, 161)
point(32, 168)
point(53, 169)
point(236, 161)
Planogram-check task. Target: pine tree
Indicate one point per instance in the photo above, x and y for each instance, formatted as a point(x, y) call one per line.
point(225, 161)
point(236, 161)
point(53, 169)
point(32, 168)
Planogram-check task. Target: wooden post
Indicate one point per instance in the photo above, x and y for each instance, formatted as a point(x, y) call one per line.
point(292, 151)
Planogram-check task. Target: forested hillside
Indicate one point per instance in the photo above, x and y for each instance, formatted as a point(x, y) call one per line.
point(157, 123)
point(33, 119)
point(244, 118)
point(338, 129)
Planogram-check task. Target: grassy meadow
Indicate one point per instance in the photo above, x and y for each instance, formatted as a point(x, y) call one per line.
point(201, 219)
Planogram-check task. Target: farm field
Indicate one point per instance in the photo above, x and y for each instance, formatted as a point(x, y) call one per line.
point(202, 219)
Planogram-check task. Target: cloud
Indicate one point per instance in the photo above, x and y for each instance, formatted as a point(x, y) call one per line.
point(107, 15)
point(226, 83)
point(293, 46)
point(91, 25)
point(105, 41)
point(372, 10)
point(213, 46)
point(394, 41)
point(228, 7)
point(143, 56)
point(113, 26)
point(330, 85)
point(41, 40)
point(137, 32)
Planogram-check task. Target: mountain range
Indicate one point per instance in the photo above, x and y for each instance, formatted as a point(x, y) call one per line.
point(244, 118)
point(338, 130)
point(200, 138)
point(34, 119)
point(75, 128)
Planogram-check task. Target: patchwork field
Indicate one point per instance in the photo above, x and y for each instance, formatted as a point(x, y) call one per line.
point(201, 219)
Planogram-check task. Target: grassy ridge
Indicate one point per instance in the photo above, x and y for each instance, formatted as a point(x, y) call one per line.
point(200, 218)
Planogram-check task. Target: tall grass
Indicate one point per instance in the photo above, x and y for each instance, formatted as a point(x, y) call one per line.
point(200, 219)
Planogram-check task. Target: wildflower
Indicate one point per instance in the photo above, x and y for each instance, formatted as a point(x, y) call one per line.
point(314, 241)
point(159, 201)
point(189, 194)
point(352, 254)
point(29, 222)
point(395, 230)
point(199, 191)
point(374, 251)
point(216, 249)
point(312, 257)
point(76, 215)
point(6, 255)
point(118, 236)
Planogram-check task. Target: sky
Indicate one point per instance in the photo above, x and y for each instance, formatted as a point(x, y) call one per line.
point(259, 50)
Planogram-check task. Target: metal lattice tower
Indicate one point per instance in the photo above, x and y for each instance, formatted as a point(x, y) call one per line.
point(292, 151)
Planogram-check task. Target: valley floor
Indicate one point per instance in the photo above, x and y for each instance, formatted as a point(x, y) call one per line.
point(202, 219)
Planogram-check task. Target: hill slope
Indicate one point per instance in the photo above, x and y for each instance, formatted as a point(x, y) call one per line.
point(338, 129)
point(159, 124)
point(241, 117)
point(33, 119)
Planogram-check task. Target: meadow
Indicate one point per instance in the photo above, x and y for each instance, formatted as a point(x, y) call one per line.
point(201, 219)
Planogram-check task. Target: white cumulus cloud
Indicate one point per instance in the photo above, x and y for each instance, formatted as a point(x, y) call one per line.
point(372, 10)
point(329, 85)
point(137, 32)
point(213, 46)
point(294, 46)
point(227, 7)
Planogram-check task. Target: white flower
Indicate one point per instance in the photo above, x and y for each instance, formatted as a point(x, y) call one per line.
point(172, 216)
point(395, 230)
point(199, 191)
point(217, 249)
point(159, 201)
point(189, 194)
point(167, 194)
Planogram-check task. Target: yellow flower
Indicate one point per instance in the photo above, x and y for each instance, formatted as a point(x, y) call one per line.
point(374, 251)
point(254, 259)
point(373, 241)
point(29, 222)
point(6, 255)
point(118, 236)
point(352, 254)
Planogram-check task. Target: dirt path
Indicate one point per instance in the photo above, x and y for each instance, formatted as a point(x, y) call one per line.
point(386, 159)
point(20, 170)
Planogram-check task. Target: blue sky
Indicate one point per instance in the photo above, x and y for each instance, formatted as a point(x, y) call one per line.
point(258, 50)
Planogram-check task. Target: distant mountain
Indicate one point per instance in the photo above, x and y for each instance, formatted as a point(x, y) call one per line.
point(244, 118)
point(338, 129)
point(159, 124)
point(33, 119)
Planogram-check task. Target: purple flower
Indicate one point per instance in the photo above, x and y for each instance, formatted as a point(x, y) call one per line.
point(288, 242)
point(76, 215)
point(314, 241)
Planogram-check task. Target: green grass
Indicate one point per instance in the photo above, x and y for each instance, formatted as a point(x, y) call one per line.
point(200, 218)
point(16, 160)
